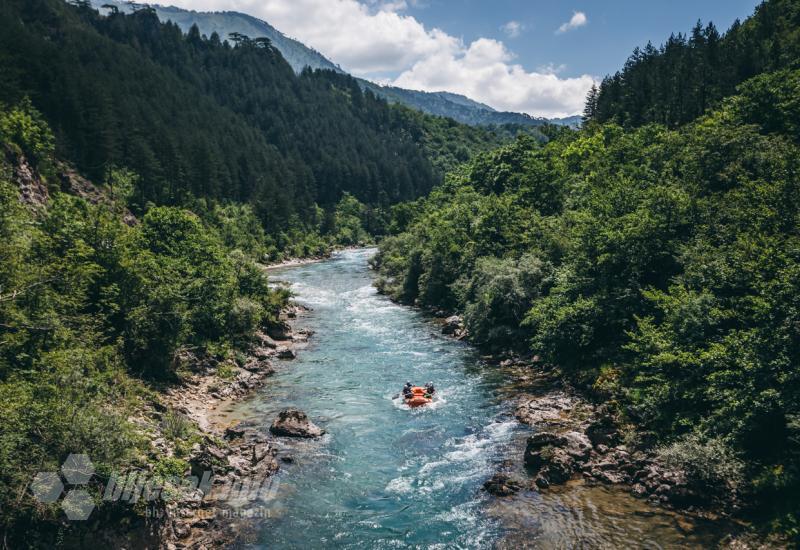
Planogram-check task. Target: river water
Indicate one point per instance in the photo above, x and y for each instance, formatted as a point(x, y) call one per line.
point(385, 476)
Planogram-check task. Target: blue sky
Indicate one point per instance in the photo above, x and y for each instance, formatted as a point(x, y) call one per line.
point(533, 56)
point(600, 47)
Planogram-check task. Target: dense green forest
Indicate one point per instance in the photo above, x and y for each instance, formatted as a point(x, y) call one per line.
point(93, 311)
point(201, 118)
point(676, 83)
point(657, 267)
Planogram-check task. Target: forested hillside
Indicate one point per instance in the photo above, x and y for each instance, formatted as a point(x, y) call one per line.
point(94, 314)
point(198, 118)
point(224, 23)
point(676, 83)
point(656, 267)
point(300, 57)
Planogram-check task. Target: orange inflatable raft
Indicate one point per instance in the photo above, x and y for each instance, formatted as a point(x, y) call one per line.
point(418, 397)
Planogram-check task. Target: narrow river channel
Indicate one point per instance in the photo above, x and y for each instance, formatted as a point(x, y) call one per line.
point(385, 476)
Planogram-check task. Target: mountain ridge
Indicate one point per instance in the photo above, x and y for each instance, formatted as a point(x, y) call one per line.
point(442, 103)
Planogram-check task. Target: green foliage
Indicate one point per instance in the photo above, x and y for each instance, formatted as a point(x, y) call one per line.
point(181, 288)
point(200, 120)
point(122, 183)
point(349, 218)
point(170, 468)
point(709, 462)
point(498, 295)
point(176, 426)
point(679, 81)
point(24, 127)
point(771, 101)
point(657, 267)
point(240, 229)
point(90, 308)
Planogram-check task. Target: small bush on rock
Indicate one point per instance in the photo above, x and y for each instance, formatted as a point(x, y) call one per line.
point(706, 461)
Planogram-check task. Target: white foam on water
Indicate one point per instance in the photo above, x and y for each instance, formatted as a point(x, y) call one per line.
point(430, 466)
point(428, 488)
point(400, 485)
point(501, 430)
point(467, 453)
point(314, 296)
point(462, 513)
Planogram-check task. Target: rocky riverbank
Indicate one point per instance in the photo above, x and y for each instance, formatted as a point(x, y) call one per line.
point(575, 440)
point(232, 458)
point(577, 446)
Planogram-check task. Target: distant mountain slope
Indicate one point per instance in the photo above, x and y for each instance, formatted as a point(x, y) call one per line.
point(298, 55)
point(457, 107)
point(574, 121)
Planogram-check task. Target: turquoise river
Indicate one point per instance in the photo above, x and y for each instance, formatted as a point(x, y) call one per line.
point(385, 476)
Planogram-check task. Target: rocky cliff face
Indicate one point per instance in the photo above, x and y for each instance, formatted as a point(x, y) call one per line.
point(34, 192)
point(32, 189)
point(72, 182)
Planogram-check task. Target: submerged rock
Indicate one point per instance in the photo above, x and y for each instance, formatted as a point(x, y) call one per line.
point(234, 432)
point(295, 423)
point(501, 485)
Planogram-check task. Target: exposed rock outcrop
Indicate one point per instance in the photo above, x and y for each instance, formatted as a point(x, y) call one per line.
point(281, 331)
point(230, 457)
point(294, 423)
point(574, 439)
point(454, 326)
point(32, 190)
point(72, 182)
point(501, 485)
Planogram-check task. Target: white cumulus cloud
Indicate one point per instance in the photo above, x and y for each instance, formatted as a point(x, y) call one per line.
point(379, 40)
point(484, 71)
point(578, 19)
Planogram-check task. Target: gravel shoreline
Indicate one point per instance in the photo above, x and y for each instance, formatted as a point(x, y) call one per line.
point(236, 455)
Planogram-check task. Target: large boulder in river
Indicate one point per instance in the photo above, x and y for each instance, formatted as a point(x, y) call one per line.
point(295, 423)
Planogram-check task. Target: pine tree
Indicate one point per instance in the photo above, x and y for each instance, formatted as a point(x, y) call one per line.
point(590, 110)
